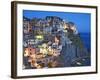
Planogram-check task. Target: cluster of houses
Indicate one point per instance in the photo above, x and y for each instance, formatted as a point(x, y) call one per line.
point(46, 40)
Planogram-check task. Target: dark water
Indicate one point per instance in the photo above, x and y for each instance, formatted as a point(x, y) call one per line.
point(86, 39)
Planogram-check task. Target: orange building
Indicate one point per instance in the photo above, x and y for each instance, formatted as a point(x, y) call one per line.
point(29, 51)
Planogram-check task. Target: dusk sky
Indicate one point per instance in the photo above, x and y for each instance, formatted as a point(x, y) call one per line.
point(81, 20)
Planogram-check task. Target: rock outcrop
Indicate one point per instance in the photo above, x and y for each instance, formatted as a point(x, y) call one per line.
point(39, 31)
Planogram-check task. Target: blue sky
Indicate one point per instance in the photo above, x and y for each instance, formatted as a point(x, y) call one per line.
point(82, 20)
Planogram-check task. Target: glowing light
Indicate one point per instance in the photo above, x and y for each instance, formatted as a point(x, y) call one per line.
point(39, 36)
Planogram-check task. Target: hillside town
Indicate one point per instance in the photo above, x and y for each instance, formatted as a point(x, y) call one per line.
point(52, 42)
